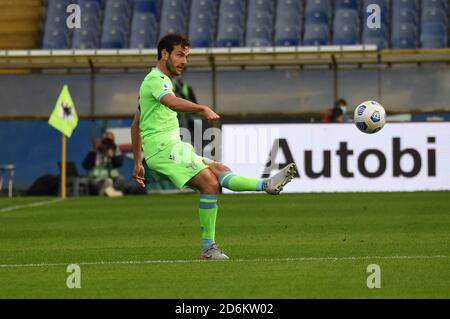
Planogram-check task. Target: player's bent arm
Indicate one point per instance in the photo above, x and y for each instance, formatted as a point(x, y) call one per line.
point(181, 105)
point(136, 142)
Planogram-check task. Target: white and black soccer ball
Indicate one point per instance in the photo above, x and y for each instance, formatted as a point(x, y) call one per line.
point(369, 117)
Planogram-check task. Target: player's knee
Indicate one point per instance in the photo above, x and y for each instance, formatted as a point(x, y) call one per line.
point(211, 186)
point(219, 169)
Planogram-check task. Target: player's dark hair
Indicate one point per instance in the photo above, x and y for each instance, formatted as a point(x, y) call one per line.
point(170, 40)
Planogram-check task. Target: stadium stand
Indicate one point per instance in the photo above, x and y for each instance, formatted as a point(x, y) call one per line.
point(202, 24)
point(405, 24)
point(289, 22)
point(19, 28)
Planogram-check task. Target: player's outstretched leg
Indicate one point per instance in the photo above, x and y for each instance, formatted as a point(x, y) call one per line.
point(273, 185)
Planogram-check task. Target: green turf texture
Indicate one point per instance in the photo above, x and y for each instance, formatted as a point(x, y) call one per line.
point(249, 227)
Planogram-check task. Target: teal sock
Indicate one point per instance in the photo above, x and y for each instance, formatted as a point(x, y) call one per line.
point(241, 183)
point(208, 213)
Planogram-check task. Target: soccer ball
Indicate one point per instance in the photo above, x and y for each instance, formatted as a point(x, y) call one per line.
point(369, 117)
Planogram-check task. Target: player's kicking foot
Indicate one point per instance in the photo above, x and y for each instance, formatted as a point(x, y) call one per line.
point(276, 183)
point(213, 252)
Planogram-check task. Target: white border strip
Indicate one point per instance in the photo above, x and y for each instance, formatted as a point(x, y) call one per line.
point(35, 204)
point(143, 262)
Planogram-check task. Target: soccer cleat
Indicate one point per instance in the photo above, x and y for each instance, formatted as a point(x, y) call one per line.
point(214, 253)
point(276, 183)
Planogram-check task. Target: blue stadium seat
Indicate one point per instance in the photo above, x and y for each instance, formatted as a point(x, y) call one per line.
point(346, 5)
point(258, 36)
point(347, 16)
point(405, 4)
point(319, 17)
point(57, 7)
point(434, 15)
point(295, 6)
point(56, 33)
point(174, 17)
point(201, 37)
point(203, 22)
point(116, 24)
point(345, 34)
point(404, 36)
point(433, 35)
point(323, 6)
point(114, 38)
point(437, 4)
point(261, 6)
point(233, 6)
point(288, 26)
point(231, 23)
point(378, 37)
point(289, 35)
point(148, 6)
point(205, 6)
point(84, 39)
point(143, 30)
point(404, 15)
point(55, 39)
point(316, 34)
point(229, 36)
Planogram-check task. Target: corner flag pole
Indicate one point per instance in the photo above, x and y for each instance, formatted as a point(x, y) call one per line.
point(63, 166)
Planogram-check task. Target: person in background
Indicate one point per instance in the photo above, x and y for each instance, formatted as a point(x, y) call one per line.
point(339, 112)
point(102, 164)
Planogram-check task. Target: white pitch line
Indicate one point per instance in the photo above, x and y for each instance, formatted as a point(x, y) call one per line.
point(35, 204)
point(187, 261)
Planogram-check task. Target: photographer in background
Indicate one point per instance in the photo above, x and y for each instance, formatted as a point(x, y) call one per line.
point(102, 165)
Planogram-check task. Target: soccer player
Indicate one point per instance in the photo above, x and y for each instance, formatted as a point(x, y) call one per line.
point(155, 129)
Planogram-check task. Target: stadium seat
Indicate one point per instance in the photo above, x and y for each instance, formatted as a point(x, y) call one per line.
point(229, 36)
point(323, 6)
point(116, 24)
point(434, 15)
point(231, 23)
point(143, 30)
point(148, 6)
point(55, 39)
point(316, 34)
point(203, 22)
point(258, 36)
point(433, 35)
point(347, 16)
point(404, 36)
point(404, 15)
point(266, 6)
point(437, 4)
point(319, 17)
point(378, 37)
point(287, 36)
point(346, 5)
point(295, 6)
point(288, 26)
point(114, 39)
point(345, 34)
point(405, 4)
point(173, 17)
point(233, 6)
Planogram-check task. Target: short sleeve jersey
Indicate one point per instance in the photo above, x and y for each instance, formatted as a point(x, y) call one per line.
point(158, 124)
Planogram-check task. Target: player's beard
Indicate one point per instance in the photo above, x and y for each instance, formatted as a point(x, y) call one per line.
point(172, 69)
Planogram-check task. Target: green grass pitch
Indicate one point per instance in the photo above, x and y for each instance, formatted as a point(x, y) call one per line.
point(288, 246)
